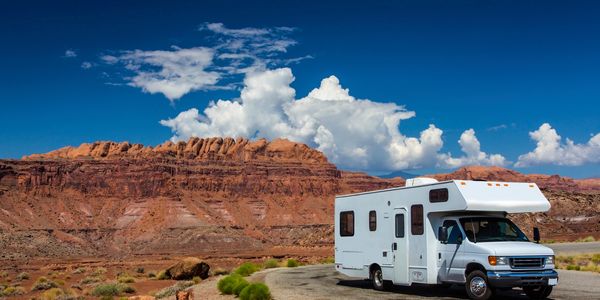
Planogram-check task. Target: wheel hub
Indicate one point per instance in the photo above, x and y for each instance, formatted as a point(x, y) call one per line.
point(478, 286)
point(378, 278)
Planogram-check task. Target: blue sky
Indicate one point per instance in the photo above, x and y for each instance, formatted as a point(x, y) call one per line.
point(501, 68)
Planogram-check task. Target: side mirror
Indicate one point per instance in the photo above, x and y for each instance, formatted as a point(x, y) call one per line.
point(443, 234)
point(536, 234)
point(459, 239)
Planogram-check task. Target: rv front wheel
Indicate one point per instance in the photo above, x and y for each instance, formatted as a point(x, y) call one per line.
point(477, 286)
point(377, 278)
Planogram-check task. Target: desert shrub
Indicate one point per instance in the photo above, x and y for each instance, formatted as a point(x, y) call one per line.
point(91, 279)
point(573, 267)
point(109, 289)
point(22, 276)
point(125, 278)
point(271, 263)
point(162, 275)
point(596, 258)
point(99, 271)
point(43, 283)
point(172, 290)
point(151, 274)
point(127, 289)
point(53, 294)
point(13, 291)
point(3, 274)
point(255, 291)
point(79, 270)
point(292, 263)
point(140, 270)
point(586, 239)
point(220, 271)
point(246, 269)
point(196, 279)
point(227, 284)
point(327, 260)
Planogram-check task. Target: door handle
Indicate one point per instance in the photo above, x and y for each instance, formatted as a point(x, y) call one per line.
point(394, 246)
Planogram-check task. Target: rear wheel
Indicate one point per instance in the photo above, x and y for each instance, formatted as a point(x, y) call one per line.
point(477, 286)
point(538, 292)
point(377, 279)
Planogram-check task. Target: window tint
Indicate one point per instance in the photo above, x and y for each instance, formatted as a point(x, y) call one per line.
point(416, 219)
point(347, 223)
point(399, 225)
point(372, 220)
point(453, 231)
point(438, 195)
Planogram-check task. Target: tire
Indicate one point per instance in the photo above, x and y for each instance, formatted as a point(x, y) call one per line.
point(377, 279)
point(538, 292)
point(478, 287)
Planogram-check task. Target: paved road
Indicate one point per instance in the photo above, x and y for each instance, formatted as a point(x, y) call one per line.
point(322, 282)
point(573, 248)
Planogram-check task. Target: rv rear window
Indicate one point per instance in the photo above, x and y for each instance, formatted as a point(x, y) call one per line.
point(416, 219)
point(438, 195)
point(372, 220)
point(347, 223)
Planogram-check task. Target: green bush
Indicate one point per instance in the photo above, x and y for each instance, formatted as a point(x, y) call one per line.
point(573, 267)
point(271, 263)
point(255, 291)
point(240, 286)
point(196, 279)
point(246, 269)
point(91, 279)
point(43, 283)
point(228, 283)
point(109, 289)
point(172, 290)
point(22, 276)
point(292, 263)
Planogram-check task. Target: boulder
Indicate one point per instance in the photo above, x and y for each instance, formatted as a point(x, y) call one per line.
point(188, 268)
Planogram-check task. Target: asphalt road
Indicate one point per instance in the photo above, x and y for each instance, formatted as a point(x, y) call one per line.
point(574, 248)
point(323, 282)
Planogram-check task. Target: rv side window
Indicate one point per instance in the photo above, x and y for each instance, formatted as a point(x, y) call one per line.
point(347, 223)
point(400, 225)
point(416, 219)
point(372, 220)
point(438, 195)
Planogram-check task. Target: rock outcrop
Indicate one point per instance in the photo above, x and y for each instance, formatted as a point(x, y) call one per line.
point(188, 268)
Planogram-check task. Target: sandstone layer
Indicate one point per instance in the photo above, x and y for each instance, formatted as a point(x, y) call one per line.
point(214, 196)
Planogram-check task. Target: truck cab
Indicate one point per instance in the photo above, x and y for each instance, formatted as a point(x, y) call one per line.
point(488, 252)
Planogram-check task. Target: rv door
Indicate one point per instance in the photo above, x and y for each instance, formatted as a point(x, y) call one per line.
point(400, 247)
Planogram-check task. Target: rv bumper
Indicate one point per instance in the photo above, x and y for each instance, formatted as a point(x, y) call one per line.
point(521, 279)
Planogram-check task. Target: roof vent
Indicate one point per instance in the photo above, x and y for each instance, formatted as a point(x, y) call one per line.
point(419, 181)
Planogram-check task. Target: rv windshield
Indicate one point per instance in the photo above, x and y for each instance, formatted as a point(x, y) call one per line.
point(492, 229)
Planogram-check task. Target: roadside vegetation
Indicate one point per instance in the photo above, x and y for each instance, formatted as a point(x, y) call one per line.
point(172, 290)
point(587, 239)
point(292, 263)
point(581, 262)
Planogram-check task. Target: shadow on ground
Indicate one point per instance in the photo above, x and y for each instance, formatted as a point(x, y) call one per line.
point(453, 292)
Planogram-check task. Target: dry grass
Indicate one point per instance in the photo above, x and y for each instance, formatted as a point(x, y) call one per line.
point(581, 262)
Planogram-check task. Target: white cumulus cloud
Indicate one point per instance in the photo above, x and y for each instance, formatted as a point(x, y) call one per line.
point(550, 149)
point(69, 53)
point(353, 133)
point(470, 145)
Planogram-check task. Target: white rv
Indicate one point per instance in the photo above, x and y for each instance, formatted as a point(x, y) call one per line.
point(451, 232)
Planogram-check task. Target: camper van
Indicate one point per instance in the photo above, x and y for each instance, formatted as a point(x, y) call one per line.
point(444, 233)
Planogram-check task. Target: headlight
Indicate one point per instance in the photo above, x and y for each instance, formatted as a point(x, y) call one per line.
point(550, 260)
point(498, 260)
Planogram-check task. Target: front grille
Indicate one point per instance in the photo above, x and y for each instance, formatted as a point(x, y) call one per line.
point(526, 262)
